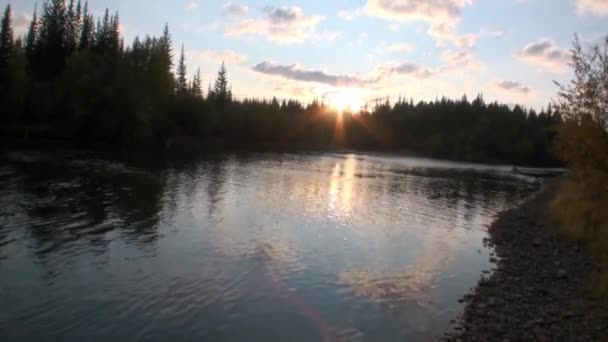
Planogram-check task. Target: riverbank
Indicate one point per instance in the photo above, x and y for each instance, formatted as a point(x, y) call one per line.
point(539, 290)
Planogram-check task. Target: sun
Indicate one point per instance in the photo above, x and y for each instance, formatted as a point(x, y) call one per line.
point(347, 100)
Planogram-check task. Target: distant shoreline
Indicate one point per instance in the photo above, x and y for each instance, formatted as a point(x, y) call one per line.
point(189, 148)
point(539, 289)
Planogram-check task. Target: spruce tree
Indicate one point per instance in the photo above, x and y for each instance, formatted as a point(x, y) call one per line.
point(73, 25)
point(50, 62)
point(197, 87)
point(166, 44)
point(6, 52)
point(86, 30)
point(6, 40)
point(31, 39)
point(221, 92)
point(181, 84)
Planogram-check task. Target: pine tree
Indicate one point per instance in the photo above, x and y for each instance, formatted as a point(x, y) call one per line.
point(86, 31)
point(181, 84)
point(114, 35)
point(163, 55)
point(73, 25)
point(221, 92)
point(50, 62)
point(31, 39)
point(70, 26)
point(6, 41)
point(166, 44)
point(102, 34)
point(197, 86)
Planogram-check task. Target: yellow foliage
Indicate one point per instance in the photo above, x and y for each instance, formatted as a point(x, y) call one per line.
point(581, 205)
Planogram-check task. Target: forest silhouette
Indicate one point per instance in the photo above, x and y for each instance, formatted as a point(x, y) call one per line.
point(72, 77)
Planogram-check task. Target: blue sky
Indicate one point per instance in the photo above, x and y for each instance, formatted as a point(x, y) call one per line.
point(347, 52)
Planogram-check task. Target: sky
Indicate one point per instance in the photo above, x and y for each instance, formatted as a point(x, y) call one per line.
point(349, 52)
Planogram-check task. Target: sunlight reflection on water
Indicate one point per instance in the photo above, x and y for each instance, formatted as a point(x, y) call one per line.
point(295, 247)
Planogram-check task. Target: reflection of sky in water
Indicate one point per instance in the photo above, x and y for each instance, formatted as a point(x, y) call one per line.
point(388, 237)
point(295, 247)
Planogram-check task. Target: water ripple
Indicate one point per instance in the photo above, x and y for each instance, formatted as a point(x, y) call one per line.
point(239, 247)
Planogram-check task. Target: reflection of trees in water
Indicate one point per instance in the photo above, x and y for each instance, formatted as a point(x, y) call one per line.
point(453, 191)
point(63, 204)
point(431, 200)
point(215, 172)
point(274, 258)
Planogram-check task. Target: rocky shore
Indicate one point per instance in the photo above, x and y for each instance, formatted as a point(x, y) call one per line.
point(539, 290)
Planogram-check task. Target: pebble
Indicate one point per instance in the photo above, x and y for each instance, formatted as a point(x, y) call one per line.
point(538, 290)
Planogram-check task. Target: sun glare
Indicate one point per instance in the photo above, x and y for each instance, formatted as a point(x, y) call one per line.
point(347, 100)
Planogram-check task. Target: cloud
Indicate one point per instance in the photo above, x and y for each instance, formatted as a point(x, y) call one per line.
point(286, 24)
point(21, 23)
point(295, 89)
point(443, 17)
point(216, 56)
point(445, 33)
point(597, 7)
point(511, 86)
point(191, 5)
point(408, 69)
point(296, 73)
point(546, 54)
point(434, 11)
point(400, 47)
point(236, 10)
point(462, 58)
point(350, 14)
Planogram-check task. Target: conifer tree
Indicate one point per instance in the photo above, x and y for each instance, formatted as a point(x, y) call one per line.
point(31, 40)
point(6, 41)
point(181, 83)
point(166, 44)
point(221, 92)
point(197, 87)
point(50, 61)
point(86, 31)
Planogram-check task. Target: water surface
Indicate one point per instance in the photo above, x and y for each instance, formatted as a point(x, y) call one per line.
point(253, 247)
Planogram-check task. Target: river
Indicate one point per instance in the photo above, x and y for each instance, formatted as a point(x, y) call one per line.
point(242, 247)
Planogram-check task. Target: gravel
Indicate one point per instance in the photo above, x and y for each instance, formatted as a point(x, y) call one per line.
point(540, 288)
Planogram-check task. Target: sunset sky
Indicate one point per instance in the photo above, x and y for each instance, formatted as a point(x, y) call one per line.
point(338, 50)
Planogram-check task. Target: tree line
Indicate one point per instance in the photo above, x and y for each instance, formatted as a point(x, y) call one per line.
point(72, 76)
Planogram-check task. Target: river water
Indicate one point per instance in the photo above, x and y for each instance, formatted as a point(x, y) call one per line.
point(242, 247)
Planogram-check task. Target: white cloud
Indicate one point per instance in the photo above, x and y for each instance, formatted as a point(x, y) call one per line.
point(460, 59)
point(327, 35)
point(373, 80)
point(297, 73)
point(286, 24)
point(191, 5)
point(21, 23)
point(408, 69)
point(435, 11)
point(400, 47)
point(443, 17)
point(350, 14)
point(216, 56)
point(597, 7)
point(546, 54)
point(297, 89)
point(511, 86)
point(236, 10)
